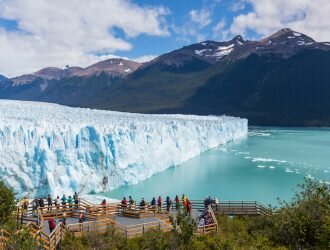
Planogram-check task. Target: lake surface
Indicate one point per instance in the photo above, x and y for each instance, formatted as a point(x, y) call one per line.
point(268, 164)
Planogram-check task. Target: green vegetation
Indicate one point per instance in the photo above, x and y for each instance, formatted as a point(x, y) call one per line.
point(7, 205)
point(302, 223)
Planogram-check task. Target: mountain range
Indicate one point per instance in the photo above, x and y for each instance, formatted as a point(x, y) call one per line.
point(281, 80)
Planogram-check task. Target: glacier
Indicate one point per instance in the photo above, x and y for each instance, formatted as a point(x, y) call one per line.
point(50, 148)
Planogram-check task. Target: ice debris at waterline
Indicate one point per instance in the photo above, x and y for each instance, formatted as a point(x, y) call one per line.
point(49, 148)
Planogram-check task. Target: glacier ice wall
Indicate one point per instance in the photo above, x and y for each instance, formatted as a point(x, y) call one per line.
point(49, 148)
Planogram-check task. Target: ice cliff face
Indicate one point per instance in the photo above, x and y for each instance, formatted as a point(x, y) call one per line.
point(49, 148)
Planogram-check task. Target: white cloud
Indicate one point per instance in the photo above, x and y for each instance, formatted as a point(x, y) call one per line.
point(238, 5)
point(267, 16)
point(217, 31)
point(56, 33)
point(145, 58)
point(201, 17)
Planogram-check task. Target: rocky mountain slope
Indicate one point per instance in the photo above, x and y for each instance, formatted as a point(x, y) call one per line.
point(280, 80)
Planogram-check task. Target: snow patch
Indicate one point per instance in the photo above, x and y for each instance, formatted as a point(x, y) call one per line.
point(127, 70)
point(296, 34)
point(200, 52)
point(223, 53)
point(226, 47)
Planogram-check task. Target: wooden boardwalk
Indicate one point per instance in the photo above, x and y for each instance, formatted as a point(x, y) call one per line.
point(131, 221)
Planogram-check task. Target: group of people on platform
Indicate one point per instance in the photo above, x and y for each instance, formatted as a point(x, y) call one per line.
point(131, 204)
point(209, 201)
point(41, 203)
point(205, 218)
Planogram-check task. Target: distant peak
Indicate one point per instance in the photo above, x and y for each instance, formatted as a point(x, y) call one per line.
point(238, 38)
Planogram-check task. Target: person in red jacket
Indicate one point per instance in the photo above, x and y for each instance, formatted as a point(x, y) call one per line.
point(104, 205)
point(159, 202)
point(177, 203)
point(51, 224)
point(189, 207)
point(124, 203)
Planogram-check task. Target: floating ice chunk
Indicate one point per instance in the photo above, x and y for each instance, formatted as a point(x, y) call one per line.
point(267, 160)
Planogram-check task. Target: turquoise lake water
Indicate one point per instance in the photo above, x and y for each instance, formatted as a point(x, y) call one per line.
point(265, 165)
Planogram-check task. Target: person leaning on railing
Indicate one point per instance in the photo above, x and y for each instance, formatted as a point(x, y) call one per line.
point(143, 205)
point(24, 204)
point(76, 199)
point(35, 205)
point(123, 203)
point(49, 202)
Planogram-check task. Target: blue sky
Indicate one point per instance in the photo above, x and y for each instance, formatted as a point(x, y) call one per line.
point(39, 33)
point(178, 19)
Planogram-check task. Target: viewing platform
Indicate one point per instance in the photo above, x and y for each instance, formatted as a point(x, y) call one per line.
point(130, 220)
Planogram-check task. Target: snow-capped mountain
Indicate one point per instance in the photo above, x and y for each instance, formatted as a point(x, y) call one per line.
point(49, 148)
point(116, 67)
point(236, 77)
point(284, 43)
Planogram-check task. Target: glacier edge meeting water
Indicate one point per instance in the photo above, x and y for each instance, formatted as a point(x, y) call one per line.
point(49, 148)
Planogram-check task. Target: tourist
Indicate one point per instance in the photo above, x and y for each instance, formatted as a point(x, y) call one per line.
point(76, 199)
point(206, 202)
point(64, 201)
point(25, 204)
point(124, 203)
point(189, 207)
point(57, 202)
point(143, 205)
point(104, 205)
point(51, 224)
point(159, 202)
point(35, 205)
point(177, 203)
point(184, 198)
point(41, 204)
point(201, 222)
point(185, 203)
point(168, 204)
point(49, 202)
point(131, 202)
point(81, 217)
point(153, 204)
point(70, 201)
point(63, 220)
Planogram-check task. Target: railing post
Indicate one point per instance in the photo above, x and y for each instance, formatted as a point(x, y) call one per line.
point(143, 228)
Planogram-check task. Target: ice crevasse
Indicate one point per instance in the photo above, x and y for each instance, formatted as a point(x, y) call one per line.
point(49, 148)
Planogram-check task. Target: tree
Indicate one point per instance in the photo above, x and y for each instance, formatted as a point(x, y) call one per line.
point(7, 203)
point(304, 221)
point(23, 239)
